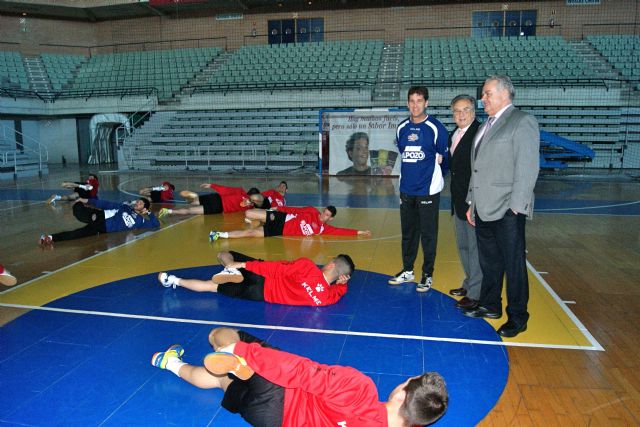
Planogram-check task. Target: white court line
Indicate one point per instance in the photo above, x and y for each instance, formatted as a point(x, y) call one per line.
point(595, 345)
point(296, 329)
point(587, 207)
point(48, 273)
point(21, 205)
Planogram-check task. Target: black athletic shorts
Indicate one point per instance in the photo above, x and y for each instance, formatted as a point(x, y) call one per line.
point(212, 203)
point(274, 224)
point(258, 401)
point(156, 196)
point(251, 287)
point(84, 194)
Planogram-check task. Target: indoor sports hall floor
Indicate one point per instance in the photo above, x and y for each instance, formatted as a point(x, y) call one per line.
point(81, 326)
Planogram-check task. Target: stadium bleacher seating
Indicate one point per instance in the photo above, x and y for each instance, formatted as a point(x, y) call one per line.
point(12, 72)
point(531, 59)
point(165, 70)
point(225, 140)
point(60, 68)
point(622, 52)
point(324, 64)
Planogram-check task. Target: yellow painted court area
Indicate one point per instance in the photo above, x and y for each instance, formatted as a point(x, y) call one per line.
point(183, 242)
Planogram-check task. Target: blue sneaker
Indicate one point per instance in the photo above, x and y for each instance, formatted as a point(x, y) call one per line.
point(160, 359)
point(213, 236)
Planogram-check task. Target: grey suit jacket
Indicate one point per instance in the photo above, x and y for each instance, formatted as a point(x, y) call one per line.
point(505, 170)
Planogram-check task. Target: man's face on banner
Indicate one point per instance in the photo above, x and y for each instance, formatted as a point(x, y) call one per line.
point(360, 153)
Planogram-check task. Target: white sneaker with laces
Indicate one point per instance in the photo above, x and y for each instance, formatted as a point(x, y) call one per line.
point(402, 277)
point(425, 283)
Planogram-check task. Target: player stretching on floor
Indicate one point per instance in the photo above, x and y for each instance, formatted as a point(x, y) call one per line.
point(271, 388)
point(287, 221)
point(298, 282)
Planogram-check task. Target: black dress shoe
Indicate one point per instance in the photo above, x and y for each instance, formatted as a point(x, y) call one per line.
point(458, 292)
point(511, 329)
point(467, 303)
point(480, 311)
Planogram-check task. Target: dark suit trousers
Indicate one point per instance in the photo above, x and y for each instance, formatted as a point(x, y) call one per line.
point(419, 223)
point(501, 249)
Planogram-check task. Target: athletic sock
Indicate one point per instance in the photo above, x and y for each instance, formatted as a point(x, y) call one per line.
point(173, 280)
point(174, 364)
point(223, 234)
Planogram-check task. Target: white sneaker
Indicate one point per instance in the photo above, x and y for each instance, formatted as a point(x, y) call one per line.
point(402, 277)
point(425, 283)
point(7, 279)
point(53, 199)
point(168, 281)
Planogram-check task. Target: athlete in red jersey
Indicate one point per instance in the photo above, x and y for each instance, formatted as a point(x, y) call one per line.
point(84, 190)
point(224, 200)
point(289, 221)
point(160, 194)
point(298, 282)
point(274, 388)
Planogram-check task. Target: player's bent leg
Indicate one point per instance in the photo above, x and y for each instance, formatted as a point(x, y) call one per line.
point(256, 214)
point(201, 378)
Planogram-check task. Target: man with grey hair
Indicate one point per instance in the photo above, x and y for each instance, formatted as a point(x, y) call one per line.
point(504, 164)
point(460, 143)
point(298, 282)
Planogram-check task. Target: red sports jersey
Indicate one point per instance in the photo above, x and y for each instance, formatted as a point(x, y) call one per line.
point(298, 282)
point(93, 193)
point(306, 222)
point(276, 199)
point(233, 198)
point(317, 394)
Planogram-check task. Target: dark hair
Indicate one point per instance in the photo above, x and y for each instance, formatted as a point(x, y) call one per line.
point(146, 202)
point(285, 184)
point(333, 210)
point(420, 90)
point(351, 142)
point(92, 175)
point(464, 97)
point(426, 399)
point(252, 191)
point(345, 264)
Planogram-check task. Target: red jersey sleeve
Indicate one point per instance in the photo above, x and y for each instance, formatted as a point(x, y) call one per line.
point(337, 231)
point(228, 191)
point(340, 383)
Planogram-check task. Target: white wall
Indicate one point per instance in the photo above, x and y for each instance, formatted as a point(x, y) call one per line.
point(61, 139)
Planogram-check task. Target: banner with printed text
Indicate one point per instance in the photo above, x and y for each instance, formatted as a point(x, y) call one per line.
point(362, 142)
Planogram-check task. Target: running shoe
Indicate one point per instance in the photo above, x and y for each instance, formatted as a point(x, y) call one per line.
point(221, 363)
point(402, 277)
point(160, 359)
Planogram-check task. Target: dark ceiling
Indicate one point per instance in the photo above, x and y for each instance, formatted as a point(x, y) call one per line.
point(189, 8)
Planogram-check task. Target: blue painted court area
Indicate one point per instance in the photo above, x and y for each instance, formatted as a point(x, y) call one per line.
point(89, 363)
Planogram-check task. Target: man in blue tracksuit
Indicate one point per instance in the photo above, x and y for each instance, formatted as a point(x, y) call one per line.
point(422, 143)
point(102, 216)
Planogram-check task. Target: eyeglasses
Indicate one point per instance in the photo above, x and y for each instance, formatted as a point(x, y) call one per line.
point(464, 110)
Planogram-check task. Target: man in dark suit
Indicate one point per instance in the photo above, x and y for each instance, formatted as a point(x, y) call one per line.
point(504, 164)
point(460, 144)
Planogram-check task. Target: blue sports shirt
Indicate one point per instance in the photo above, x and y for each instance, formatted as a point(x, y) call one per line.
point(418, 144)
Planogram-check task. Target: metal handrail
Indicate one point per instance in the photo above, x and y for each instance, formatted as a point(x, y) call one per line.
point(41, 152)
point(122, 130)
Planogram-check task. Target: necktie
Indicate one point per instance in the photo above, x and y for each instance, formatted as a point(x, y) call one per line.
point(456, 139)
point(486, 129)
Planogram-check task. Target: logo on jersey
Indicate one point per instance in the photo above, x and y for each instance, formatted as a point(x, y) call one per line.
point(412, 153)
point(128, 220)
point(413, 137)
point(319, 287)
point(309, 290)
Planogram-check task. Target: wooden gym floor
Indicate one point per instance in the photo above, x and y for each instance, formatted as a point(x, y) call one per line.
point(583, 248)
